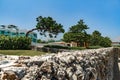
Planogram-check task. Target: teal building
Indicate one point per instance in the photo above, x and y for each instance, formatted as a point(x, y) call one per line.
point(12, 31)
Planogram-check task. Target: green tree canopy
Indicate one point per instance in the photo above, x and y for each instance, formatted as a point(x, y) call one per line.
point(96, 33)
point(79, 27)
point(68, 37)
point(77, 33)
point(47, 25)
point(95, 38)
point(105, 42)
point(39, 41)
point(98, 40)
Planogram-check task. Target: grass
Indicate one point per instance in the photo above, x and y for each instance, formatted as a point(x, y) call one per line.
point(77, 48)
point(57, 46)
point(82, 48)
point(71, 48)
point(94, 47)
point(37, 53)
point(21, 52)
point(117, 46)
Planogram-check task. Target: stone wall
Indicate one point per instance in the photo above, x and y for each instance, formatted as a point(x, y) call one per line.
point(94, 64)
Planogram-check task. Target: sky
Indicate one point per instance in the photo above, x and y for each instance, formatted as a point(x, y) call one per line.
point(101, 15)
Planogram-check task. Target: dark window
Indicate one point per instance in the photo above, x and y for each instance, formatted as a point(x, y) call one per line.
point(13, 33)
point(2, 32)
point(34, 40)
point(8, 32)
point(35, 35)
point(22, 33)
point(68, 44)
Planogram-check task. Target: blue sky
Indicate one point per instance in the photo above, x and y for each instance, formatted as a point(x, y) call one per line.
point(101, 15)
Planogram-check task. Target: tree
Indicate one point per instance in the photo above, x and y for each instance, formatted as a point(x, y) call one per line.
point(47, 25)
point(39, 41)
point(86, 39)
point(79, 27)
point(98, 40)
point(105, 42)
point(51, 40)
point(78, 34)
point(95, 38)
point(69, 37)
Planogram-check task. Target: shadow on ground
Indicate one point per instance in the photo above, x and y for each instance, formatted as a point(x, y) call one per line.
point(116, 70)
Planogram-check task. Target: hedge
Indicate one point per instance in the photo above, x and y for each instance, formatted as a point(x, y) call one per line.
point(57, 46)
point(13, 43)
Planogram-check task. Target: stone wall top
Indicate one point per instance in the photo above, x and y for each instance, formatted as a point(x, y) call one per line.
point(93, 64)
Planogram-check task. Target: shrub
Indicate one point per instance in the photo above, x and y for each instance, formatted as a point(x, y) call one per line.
point(7, 42)
point(94, 47)
point(57, 46)
point(105, 42)
point(77, 48)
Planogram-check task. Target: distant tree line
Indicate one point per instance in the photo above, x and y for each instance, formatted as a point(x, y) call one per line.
point(78, 34)
point(48, 26)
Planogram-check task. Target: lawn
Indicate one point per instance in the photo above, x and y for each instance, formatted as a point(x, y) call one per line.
point(36, 53)
point(21, 52)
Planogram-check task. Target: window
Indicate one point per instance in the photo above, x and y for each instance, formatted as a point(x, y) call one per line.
point(13, 33)
point(35, 35)
point(22, 33)
point(2, 32)
point(8, 32)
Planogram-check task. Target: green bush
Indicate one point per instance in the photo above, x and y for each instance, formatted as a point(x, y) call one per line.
point(105, 42)
point(57, 46)
point(94, 47)
point(77, 48)
point(7, 42)
point(70, 48)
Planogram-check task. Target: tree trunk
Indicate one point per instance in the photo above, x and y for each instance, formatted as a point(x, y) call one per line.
point(86, 44)
point(77, 44)
point(30, 31)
